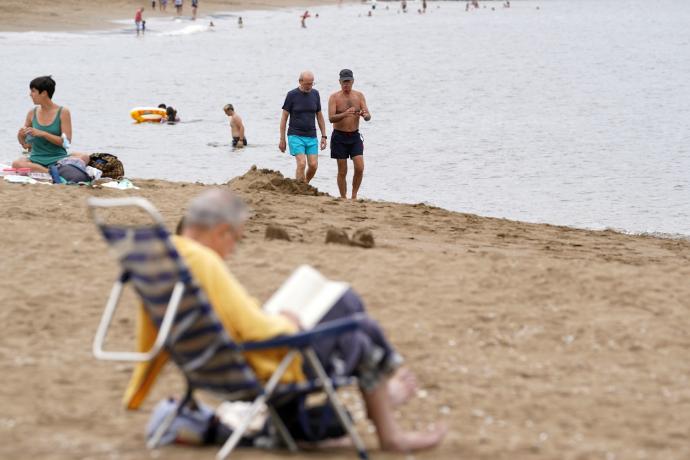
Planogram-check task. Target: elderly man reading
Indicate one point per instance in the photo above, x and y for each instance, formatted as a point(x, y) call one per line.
point(212, 226)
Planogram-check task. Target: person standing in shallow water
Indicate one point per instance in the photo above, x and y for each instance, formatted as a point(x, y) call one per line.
point(44, 128)
point(236, 127)
point(345, 107)
point(302, 105)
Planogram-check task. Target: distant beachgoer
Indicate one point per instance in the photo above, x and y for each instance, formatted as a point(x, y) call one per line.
point(506, 4)
point(316, 15)
point(373, 4)
point(178, 7)
point(170, 116)
point(369, 15)
point(236, 127)
point(240, 23)
point(47, 129)
point(153, 4)
point(345, 107)
point(195, 6)
point(304, 18)
point(423, 6)
point(302, 105)
point(138, 19)
point(211, 24)
point(467, 6)
point(403, 5)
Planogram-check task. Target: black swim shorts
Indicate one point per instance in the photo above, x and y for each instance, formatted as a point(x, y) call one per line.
point(346, 145)
point(235, 140)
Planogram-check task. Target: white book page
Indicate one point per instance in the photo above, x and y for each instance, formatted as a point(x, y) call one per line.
point(307, 294)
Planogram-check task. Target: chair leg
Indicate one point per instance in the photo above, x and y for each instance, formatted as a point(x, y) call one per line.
point(282, 429)
point(231, 443)
point(335, 402)
point(234, 439)
point(165, 424)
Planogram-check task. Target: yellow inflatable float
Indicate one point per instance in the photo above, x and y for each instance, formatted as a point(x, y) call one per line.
point(147, 114)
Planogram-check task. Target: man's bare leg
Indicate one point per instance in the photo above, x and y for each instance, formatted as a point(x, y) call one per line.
point(25, 163)
point(391, 437)
point(402, 386)
point(301, 165)
point(312, 165)
point(342, 178)
point(358, 163)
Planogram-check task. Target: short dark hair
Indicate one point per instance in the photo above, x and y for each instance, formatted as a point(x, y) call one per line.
point(45, 83)
point(228, 107)
point(162, 106)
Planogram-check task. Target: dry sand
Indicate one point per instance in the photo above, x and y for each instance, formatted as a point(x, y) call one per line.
point(22, 15)
point(530, 341)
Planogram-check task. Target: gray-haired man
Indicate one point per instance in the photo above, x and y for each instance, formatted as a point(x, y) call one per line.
point(213, 224)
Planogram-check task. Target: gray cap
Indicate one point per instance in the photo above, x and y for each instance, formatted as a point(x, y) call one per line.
point(216, 206)
point(346, 74)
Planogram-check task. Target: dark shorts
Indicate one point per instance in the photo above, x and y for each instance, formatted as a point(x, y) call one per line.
point(346, 145)
point(235, 140)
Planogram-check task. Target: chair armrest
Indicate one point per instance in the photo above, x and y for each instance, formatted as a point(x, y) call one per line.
point(306, 338)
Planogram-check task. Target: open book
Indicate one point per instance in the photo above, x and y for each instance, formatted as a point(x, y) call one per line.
point(307, 294)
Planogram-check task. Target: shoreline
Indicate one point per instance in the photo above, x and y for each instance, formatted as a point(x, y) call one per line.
point(95, 15)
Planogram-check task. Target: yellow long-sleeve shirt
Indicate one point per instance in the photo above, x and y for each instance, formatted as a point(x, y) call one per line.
point(240, 314)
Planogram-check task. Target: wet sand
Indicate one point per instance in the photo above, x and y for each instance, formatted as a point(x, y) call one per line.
point(530, 341)
point(73, 15)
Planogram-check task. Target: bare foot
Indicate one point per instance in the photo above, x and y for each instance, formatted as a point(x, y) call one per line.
point(332, 443)
point(416, 440)
point(402, 386)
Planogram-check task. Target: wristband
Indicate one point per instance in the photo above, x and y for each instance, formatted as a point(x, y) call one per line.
point(324, 137)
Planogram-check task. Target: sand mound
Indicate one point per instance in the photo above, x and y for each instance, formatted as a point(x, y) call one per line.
point(267, 179)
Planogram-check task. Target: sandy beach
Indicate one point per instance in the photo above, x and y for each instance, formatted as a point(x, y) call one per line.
point(72, 15)
point(530, 341)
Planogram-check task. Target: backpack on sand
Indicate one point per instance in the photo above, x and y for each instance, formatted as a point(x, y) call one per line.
point(109, 164)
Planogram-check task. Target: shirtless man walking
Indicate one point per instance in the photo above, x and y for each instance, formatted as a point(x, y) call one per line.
point(344, 109)
point(236, 127)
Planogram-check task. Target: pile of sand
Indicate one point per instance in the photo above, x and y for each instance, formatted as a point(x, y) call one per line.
point(267, 179)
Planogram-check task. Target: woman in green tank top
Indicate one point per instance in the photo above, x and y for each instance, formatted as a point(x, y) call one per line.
point(43, 129)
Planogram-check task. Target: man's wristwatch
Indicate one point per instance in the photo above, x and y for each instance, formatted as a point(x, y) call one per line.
point(324, 137)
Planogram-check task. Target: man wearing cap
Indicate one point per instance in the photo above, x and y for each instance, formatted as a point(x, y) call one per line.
point(301, 106)
point(212, 226)
point(236, 127)
point(345, 107)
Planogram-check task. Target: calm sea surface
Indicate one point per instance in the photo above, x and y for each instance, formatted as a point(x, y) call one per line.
point(577, 113)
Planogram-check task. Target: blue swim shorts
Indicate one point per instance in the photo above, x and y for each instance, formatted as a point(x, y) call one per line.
point(300, 145)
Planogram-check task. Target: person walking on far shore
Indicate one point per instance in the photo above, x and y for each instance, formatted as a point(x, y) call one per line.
point(139, 20)
point(301, 106)
point(178, 7)
point(195, 6)
point(345, 107)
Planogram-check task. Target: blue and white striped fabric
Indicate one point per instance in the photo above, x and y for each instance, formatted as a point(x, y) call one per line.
point(198, 343)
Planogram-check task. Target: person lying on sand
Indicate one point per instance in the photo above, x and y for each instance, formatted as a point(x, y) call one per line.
point(212, 226)
point(47, 130)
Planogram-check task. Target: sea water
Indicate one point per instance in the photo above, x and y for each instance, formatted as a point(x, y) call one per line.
point(566, 112)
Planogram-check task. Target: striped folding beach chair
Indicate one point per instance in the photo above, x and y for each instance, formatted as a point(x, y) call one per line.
point(191, 333)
